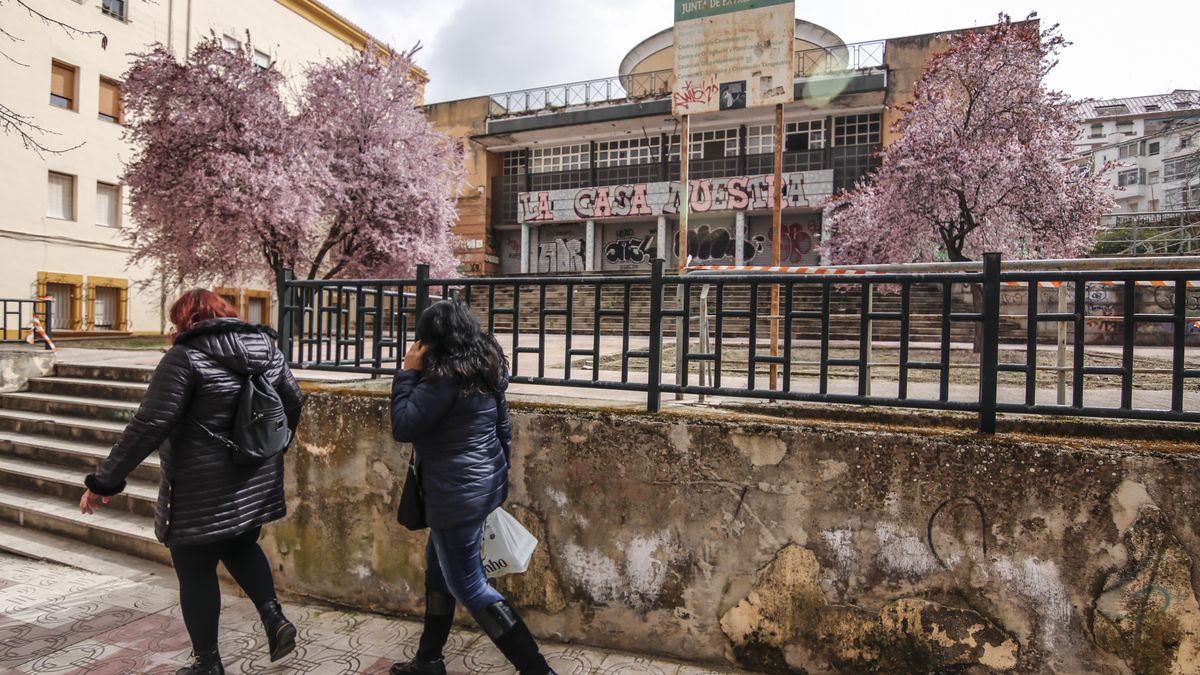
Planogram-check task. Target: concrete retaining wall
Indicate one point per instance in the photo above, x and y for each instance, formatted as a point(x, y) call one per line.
point(18, 364)
point(787, 546)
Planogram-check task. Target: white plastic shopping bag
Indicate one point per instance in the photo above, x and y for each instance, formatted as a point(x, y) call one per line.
point(507, 546)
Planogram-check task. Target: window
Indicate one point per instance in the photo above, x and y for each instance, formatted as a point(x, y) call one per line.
point(61, 204)
point(1152, 177)
point(760, 139)
point(856, 130)
point(513, 163)
point(108, 303)
point(627, 151)
point(67, 292)
point(104, 308)
point(806, 135)
point(1107, 110)
point(1153, 148)
point(62, 85)
point(561, 158)
point(108, 205)
point(1127, 150)
point(110, 101)
point(1153, 107)
point(231, 44)
point(714, 144)
point(1182, 198)
point(1129, 177)
point(114, 8)
point(1181, 167)
point(1185, 142)
point(262, 60)
point(1097, 130)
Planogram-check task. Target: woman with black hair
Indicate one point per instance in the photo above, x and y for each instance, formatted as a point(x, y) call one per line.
point(448, 401)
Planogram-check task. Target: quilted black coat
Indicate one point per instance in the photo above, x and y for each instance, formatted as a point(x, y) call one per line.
point(203, 496)
point(463, 443)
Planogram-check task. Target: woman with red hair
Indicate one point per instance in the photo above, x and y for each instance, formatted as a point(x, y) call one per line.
point(212, 502)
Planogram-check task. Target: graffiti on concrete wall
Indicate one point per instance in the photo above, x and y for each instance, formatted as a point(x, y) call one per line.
point(561, 255)
point(802, 189)
point(631, 249)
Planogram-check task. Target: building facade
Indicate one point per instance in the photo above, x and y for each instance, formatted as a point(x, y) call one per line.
point(62, 213)
point(584, 177)
point(1152, 144)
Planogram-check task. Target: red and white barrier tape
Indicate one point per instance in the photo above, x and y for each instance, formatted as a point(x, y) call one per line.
point(841, 271)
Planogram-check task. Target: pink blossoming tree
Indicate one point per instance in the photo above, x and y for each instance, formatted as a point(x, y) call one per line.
point(978, 163)
point(228, 182)
point(389, 201)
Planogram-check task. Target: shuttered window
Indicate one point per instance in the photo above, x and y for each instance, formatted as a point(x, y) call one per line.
point(110, 101)
point(61, 203)
point(108, 205)
point(62, 85)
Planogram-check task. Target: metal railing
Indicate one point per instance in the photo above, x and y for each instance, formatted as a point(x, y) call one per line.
point(1150, 234)
point(622, 332)
point(659, 83)
point(16, 319)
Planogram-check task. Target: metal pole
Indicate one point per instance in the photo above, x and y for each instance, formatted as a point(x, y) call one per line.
point(422, 299)
point(1062, 346)
point(681, 265)
point(654, 377)
point(776, 242)
point(283, 311)
point(989, 356)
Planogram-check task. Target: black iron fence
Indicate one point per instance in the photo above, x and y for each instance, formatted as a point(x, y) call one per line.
point(720, 335)
point(17, 319)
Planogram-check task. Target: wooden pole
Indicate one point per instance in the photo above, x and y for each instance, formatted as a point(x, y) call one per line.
point(776, 239)
point(685, 144)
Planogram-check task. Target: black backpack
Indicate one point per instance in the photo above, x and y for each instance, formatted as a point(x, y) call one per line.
point(260, 426)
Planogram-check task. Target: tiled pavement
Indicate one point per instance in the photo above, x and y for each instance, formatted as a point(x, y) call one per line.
point(57, 620)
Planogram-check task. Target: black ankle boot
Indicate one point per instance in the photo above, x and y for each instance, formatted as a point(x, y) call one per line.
point(513, 639)
point(439, 619)
point(204, 663)
point(281, 634)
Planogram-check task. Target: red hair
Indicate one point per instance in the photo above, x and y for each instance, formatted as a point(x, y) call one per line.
point(198, 305)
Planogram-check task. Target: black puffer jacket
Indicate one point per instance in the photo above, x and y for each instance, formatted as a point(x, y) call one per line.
point(463, 442)
point(203, 495)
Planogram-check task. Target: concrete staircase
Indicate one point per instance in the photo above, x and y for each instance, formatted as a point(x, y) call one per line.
point(55, 433)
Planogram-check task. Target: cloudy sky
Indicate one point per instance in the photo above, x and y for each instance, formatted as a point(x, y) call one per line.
point(476, 47)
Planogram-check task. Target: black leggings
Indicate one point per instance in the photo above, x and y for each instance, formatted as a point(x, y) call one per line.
point(199, 590)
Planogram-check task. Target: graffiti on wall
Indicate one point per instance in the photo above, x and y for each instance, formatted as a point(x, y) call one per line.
point(798, 241)
point(802, 189)
point(630, 249)
point(710, 244)
point(561, 255)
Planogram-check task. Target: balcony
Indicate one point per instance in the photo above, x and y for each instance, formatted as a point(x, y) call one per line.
point(849, 164)
point(859, 58)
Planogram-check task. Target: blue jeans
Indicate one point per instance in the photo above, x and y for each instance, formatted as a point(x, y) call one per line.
point(453, 565)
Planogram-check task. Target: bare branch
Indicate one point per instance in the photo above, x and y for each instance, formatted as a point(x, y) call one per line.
point(67, 28)
point(12, 122)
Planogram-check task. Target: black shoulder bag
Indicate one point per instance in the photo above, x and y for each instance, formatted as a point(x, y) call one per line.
point(411, 513)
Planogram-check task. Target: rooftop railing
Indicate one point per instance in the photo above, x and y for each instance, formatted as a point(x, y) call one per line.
point(658, 84)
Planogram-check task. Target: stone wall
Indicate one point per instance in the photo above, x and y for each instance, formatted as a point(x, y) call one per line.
point(789, 546)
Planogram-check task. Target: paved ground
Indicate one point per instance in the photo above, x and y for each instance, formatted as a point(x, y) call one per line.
point(66, 621)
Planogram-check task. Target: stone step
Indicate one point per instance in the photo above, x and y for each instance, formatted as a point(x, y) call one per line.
point(100, 432)
point(104, 373)
point(66, 484)
point(70, 406)
point(131, 392)
point(81, 457)
point(36, 545)
point(109, 529)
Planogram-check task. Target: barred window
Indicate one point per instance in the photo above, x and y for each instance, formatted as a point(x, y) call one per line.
point(1131, 177)
point(561, 158)
point(1127, 150)
point(513, 163)
point(627, 151)
point(1182, 198)
point(857, 130)
point(1181, 167)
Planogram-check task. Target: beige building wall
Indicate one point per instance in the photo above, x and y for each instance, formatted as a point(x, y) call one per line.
point(293, 33)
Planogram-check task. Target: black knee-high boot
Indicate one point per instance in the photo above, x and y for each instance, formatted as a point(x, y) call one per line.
point(439, 619)
point(513, 639)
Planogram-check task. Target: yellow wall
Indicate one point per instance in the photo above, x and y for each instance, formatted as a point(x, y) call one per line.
point(461, 120)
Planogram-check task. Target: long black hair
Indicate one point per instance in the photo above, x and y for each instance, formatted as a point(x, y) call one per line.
point(460, 350)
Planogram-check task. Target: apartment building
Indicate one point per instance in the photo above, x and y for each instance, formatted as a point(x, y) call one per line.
point(62, 214)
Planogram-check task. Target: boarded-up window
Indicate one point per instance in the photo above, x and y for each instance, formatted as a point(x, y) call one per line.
point(61, 203)
point(62, 85)
point(110, 101)
point(108, 205)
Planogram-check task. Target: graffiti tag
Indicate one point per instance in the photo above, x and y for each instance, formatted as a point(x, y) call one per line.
point(689, 94)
